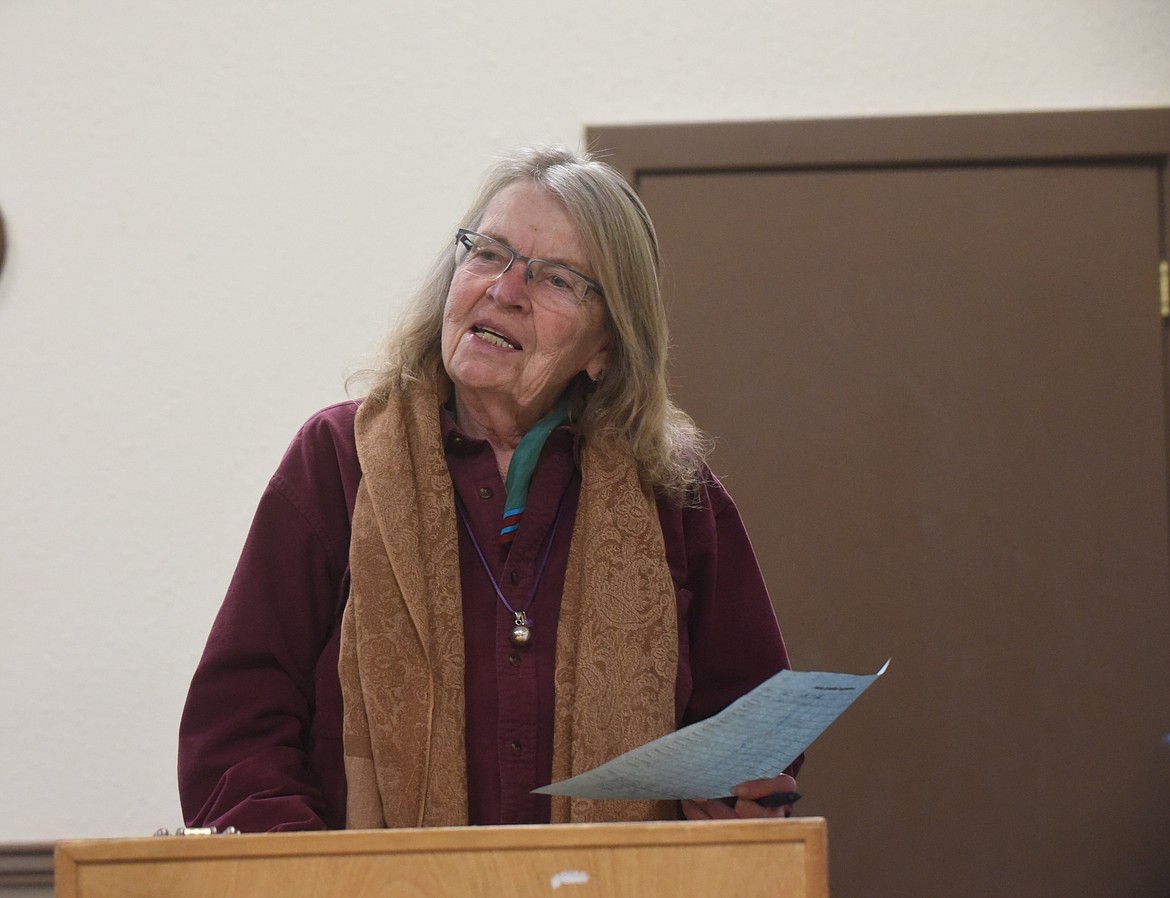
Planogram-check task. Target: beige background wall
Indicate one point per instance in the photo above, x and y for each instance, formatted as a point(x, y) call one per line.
point(214, 209)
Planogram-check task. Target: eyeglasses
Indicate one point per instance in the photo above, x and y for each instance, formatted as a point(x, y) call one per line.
point(552, 284)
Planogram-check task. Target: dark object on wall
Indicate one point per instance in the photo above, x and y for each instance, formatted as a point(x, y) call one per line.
point(933, 351)
point(25, 865)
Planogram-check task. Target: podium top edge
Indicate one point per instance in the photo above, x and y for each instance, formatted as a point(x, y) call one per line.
point(381, 841)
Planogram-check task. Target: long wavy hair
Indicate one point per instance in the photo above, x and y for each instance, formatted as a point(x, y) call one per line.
point(629, 408)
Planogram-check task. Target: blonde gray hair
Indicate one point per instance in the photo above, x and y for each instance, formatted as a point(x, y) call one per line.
point(629, 408)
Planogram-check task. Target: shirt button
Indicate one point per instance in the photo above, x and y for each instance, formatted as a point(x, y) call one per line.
point(485, 492)
point(514, 659)
point(515, 578)
point(516, 747)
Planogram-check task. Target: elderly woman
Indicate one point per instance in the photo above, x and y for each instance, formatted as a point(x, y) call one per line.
point(508, 563)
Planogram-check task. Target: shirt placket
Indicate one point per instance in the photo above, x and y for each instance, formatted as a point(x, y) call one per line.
point(516, 674)
point(520, 705)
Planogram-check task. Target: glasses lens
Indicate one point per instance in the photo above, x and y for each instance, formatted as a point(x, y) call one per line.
point(481, 255)
point(556, 284)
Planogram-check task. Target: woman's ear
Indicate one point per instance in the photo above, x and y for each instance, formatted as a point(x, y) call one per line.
point(595, 367)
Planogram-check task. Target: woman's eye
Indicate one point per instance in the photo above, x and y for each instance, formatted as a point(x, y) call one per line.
point(558, 280)
point(487, 254)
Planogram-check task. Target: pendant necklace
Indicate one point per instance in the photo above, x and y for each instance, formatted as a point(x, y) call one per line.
point(521, 636)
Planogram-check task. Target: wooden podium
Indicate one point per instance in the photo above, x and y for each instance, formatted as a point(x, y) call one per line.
point(742, 858)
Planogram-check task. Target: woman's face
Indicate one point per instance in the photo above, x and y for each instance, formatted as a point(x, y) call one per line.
point(501, 348)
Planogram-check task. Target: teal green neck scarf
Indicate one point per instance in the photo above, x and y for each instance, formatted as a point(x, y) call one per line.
point(523, 464)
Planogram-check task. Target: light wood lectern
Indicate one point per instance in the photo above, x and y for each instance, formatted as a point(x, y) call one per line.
point(742, 858)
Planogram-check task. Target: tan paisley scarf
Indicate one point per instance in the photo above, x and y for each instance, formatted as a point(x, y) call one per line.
point(402, 658)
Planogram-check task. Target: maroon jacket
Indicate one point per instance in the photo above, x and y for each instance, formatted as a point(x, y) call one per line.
point(260, 739)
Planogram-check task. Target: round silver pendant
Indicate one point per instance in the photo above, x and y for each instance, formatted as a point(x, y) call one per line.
point(521, 636)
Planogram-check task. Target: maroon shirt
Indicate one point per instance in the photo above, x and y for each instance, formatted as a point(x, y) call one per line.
point(260, 739)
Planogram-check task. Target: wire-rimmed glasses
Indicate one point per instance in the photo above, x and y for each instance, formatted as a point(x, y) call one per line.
point(552, 284)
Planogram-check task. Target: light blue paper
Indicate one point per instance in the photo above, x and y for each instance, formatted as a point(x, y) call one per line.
point(755, 737)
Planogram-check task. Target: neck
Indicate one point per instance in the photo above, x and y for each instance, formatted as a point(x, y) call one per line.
point(501, 426)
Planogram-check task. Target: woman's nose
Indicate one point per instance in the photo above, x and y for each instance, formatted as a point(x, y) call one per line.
point(512, 284)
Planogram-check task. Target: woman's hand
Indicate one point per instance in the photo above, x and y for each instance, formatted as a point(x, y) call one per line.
point(745, 804)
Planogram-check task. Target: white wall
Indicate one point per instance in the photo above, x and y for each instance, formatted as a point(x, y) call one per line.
point(213, 207)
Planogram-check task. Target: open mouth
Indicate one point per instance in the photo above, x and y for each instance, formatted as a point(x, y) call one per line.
point(495, 339)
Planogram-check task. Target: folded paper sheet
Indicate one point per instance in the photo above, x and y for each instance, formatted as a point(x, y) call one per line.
point(755, 737)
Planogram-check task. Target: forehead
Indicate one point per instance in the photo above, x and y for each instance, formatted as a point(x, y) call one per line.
point(534, 222)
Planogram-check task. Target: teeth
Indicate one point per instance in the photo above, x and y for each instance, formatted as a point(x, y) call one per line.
point(493, 338)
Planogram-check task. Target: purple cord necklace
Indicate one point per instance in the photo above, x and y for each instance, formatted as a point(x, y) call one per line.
point(521, 636)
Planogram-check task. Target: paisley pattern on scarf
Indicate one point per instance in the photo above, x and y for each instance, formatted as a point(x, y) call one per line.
point(402, 655)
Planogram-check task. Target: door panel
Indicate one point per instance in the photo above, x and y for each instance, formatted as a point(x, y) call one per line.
point(939, 398)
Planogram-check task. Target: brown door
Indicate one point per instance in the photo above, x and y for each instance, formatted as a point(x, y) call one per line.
point(940, 401)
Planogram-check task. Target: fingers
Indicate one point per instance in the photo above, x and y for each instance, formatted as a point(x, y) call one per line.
point(766, 797)
point(708, 809)
point(754, 799)
point(747, 809)
point(759, 788)
point(732, 809)
point(755, 789)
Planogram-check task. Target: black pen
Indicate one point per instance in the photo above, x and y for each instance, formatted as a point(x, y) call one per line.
point(777, 800)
